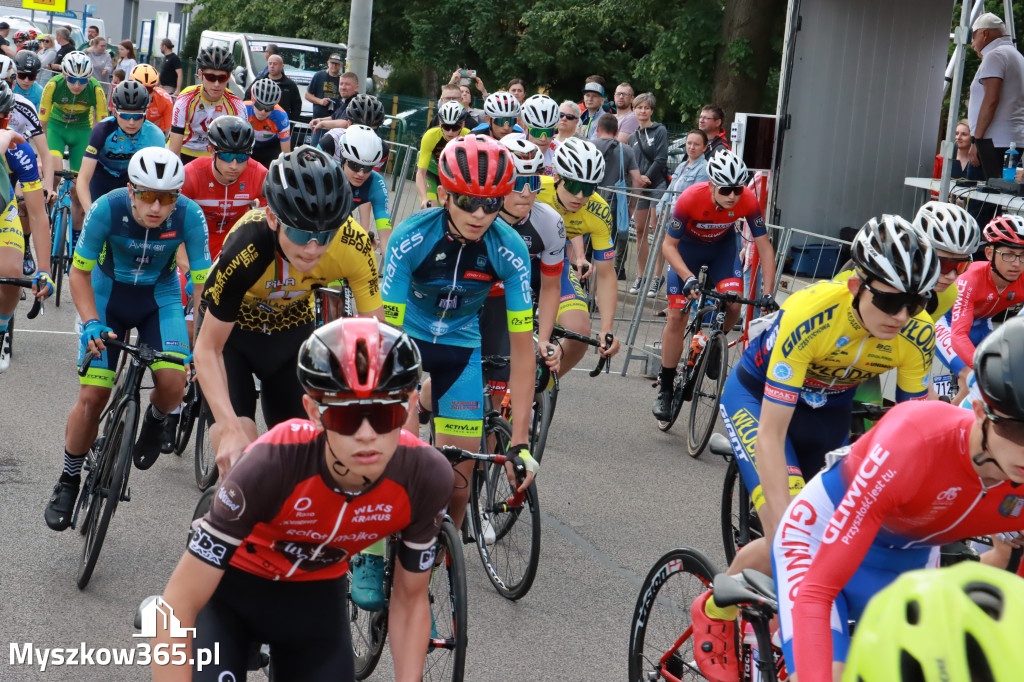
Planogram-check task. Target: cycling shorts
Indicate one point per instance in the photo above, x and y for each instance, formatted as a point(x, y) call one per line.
point(103, 182)
point(154, 311)
point(10, 228)
point(813, 432)
point(981, 328)
point(724, 270)
point(573, 297)
point(456, 388)
point(75, 139)
point(272, 358)
point(304, 622)
point(797, 542)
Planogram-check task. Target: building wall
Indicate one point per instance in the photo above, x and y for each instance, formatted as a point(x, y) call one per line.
point(864, 97)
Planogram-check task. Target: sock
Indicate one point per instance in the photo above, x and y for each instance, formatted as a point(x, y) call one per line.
point(668, 375)
point(72, 467)
point(155, 413)
point(720, 612)
point(4, 321)
point(377, 548)
point(176, 410)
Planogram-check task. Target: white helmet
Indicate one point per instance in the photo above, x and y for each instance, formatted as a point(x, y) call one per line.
point(949, 227)
point(451, 113)
point(893, 251)
point(7, 67)
point(579, 160)
point(727, 170)
point(156, 168)
point(526, 156)
point(501, 105)
point(540, 111)
point(265, 92)
point(76, 65)
point(361, 144)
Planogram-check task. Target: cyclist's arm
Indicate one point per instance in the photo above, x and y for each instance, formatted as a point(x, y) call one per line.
point(379, 202)
point(515, 274)
point(100, 110)
point(962, 319)
point(189, 589)
point(916, 346)
point(44, 158)
point(766, 256)
point(85, 173)
point(95, 229)
point(421, 186)
point(409, 622)
point(35, 206)
point(46, 103)
point(286, 146)
point(547, 304)
point(770, 455)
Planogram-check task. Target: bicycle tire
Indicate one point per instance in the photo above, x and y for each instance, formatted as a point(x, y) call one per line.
point(543, 411)
point(110, 484)
point(740, 523)
point(57, 264)
point(191, 406)
point(369, 629)
point(707, 394)
point(447, 592)
point(679, 386)
point(653, 639)
point(204, 459)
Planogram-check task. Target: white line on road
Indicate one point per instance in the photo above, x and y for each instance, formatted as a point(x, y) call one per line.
point(41, 331)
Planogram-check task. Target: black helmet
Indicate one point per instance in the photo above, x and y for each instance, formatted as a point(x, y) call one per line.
point(29, 46)
point(999, 368)
point(27, 61)
point(215, 59)
point(6, 97)
point(308, 190)
point(130, 96)
point(890, 250)
point(232, 134)
point(365, 110)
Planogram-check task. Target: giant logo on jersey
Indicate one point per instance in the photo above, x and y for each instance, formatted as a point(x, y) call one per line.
point(797, 340)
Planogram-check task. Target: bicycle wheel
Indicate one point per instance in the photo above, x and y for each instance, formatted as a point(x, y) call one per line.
point(679, 385)
point(446, 654)
point(370, 628)
point(707, 393)
point(191, 406)
point(110, 484)
point(543, 411)
point(740, 523)
point(205, 463)
point(501, 430)
point(660, 641)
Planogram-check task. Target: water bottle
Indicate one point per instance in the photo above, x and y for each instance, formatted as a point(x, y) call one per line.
point(750, 643)
point(1010, 163)
point(696, 346)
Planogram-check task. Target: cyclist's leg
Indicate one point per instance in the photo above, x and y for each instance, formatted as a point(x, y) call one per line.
point(317, 647)
point(12, 260)
point(225, 623)
point(77, 140)
point(165, 329)
point(494, 341)
point(573, 315)
point(281, 393)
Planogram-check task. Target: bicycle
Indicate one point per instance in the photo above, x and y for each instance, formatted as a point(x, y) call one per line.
point(62, 247)
point(109, 461)
point(701, 379)
point(660, 640)
point(37, 304)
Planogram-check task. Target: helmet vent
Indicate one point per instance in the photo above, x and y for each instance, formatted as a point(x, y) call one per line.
point(910, 668)
point(977, 661)
point(987, 597)
point(913, 612)
point(362, 362)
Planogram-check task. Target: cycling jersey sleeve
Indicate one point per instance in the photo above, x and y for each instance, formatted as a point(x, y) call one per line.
point(46, 103)
point(513, 266)
point(680, 217)
point(243, 259)
point(401, 259)
point(962, 317)
point(751, 210)
point(379, 201)
point(427, 144)
point(601, 227)
point(179, 115)
point(283, 125)
point(95, 230)
point(553, 255)
point(916, 351)
point(98, 138)
point(22, 162)
point(100, 110)
point(197, 241)
point(24, 107)
point(360, 266)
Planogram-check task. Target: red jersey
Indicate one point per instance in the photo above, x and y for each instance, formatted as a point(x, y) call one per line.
point(280, 516)
point(696, 217)
point(978, 298)
point(161, 108)
point(222, 204)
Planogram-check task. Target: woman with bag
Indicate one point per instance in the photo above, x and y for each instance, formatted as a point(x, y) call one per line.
point(650, 143)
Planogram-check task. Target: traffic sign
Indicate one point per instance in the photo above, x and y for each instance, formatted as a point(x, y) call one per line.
point(46, 5)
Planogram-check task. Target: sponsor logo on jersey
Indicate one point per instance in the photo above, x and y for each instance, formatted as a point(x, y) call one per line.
point(796, 550)
point(780, 395)
point(481, 261)
point(805, 328)
point(1011, 506)
point(207, 547)
point(742, 430)
point(480, 276)
point(274, 283)
point(311, 556)
point(948, 495)
point(842, 341)
point(169, 235)
point(440, 257)
point(814, 398)
point(782, 371)
point(427, 558)
point(861, 493)
point(371, 512)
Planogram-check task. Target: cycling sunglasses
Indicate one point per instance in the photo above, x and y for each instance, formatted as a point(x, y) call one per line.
point(303, 237)
point(347, 418)
point(958, 264)
point(228, 157)
point(503, 122)
point(531, 181)
point(27, 76)
point(263, 107)
point(540, 133)
point(729, 190)
point(451, 128)
point(892, 302)
point(148, 196)
point(358, 167)
point(221, 78)
point(131, 116)
point(574, 187)
point(76, 81)
point(571, 117)
point(471, 204)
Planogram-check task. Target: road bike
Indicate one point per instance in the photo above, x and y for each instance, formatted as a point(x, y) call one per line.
point(62, 246)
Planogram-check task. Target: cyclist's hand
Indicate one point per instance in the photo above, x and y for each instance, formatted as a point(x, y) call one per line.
point(609, 350)
point(690, 288)
point(51, 199)
point(232, 444)
point(550, 353)
point(42, 285)
point(767, 303)
point(426, 203)
point(91, 332)
point(584, 269)
point(521, 466)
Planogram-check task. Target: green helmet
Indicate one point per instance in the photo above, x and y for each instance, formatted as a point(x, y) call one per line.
point(958, 623)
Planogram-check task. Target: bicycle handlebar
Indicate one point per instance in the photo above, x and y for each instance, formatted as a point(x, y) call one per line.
point(729, 297)
point(455, 455)
point(144, 353)
point(66, 174)
point(869, 411)
point(27, 283)
point(563, 333)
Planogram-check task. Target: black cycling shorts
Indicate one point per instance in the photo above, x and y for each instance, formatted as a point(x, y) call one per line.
point(272, 358)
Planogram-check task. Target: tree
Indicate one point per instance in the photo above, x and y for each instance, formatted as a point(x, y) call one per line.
point(751, 30)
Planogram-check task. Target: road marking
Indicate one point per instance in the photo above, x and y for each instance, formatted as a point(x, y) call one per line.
point(42, 331)
point(604, 559)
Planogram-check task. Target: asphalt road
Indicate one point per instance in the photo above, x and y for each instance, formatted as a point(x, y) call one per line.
point(615, 494)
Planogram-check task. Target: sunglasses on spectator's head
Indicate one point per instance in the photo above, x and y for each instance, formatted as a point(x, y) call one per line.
point(892, 302)
point(303, 237)
point(471, 204)
point(347, 418)
point(574, 187)
point(148, 196)
point(131, 116)
point(216, 78)
point(729, 190)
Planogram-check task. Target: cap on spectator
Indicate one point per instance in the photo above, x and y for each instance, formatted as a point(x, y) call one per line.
point(989, 20)
point(3, 25)
point(336, 58)
point(594, 87)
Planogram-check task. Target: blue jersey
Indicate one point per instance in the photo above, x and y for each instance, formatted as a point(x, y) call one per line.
point(435, 285)
point(132, 254)
point(34, 94)
point(21, 163)
point(375, 192)
point(112, 148)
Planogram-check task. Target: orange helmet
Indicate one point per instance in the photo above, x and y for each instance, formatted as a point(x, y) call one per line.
point(145, 74)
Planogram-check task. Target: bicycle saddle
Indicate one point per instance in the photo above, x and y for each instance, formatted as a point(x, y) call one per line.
point(761, 583)
point(729, 591)
point(719, 445)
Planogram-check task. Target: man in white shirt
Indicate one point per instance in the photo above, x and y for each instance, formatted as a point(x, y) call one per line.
point(996, 106)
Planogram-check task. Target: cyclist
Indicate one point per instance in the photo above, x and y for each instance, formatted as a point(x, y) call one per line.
point(983, 291)
point(361, 150)
point(501, 111)
point(228, 182)
point(114, 142)
point(123, 278)
point(18, 157)
point(285, 588)
point(363, 110)
point(451, 117)
point(260, 294)
point(269, 121)
point(702, 232)
point(27, 66)
point(161, 105)
point(198, 106)
point(872, 515)
point(540, 116)
point(578, 168)
point(789, 399)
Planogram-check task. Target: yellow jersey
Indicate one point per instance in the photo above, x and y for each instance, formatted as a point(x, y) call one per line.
point(593, 218)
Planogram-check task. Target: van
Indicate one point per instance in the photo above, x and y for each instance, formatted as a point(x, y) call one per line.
point(302, 58)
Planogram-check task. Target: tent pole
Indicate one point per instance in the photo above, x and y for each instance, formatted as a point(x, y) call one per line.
point(960, 53)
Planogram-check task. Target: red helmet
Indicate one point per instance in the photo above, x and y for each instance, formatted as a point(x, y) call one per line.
point(476, 165)
point(1005, 229)
point(357, 358)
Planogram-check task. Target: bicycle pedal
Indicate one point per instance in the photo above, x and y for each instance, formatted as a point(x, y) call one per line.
point(127, 497)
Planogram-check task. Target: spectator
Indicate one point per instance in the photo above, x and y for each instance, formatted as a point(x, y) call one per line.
point(568, 120)
point(171, 75)
point(118, 76)
point(710, 121)
point(474, 117)
point(5, 45)
point(47, 51)
point(269, 51)
point(102, 65)
point(348, 87)
point(63, 36)
point(650, 141)
point(90, 34)
point(996, 105)
point(323, 91)
point(126, 60)
point(517, 87)
point(593, 99)
point(962, 169)
point(291, 100)
point(690, 171)
point(624, 111)
point(620, 171)
point(449, 93)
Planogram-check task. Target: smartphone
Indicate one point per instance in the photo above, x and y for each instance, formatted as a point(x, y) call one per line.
point(464, 73)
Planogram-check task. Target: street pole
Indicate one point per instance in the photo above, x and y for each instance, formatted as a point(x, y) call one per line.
point(360, 19)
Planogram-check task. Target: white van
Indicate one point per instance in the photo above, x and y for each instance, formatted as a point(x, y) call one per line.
point(302, 58)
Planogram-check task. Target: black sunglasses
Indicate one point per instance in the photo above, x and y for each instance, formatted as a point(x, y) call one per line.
point(571, 117)
point(892, 302)
point(451, 128)
point(358, 167)
point(729, 190)
point(471, 204)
